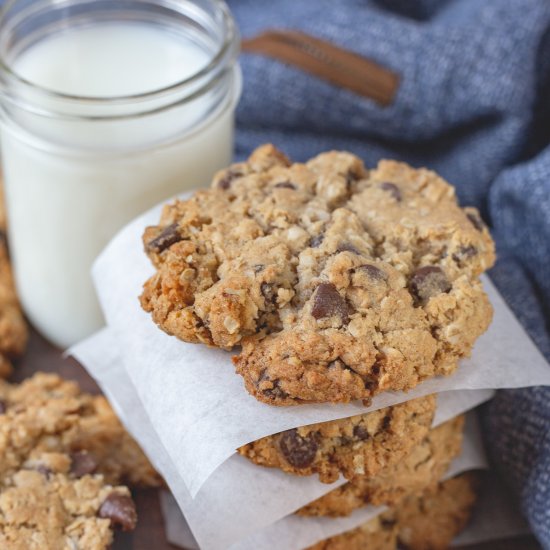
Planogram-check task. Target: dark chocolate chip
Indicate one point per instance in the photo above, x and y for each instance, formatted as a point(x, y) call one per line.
point(44, 470)
point(82, 463)
point(370, 384)
point(276, 392)
point(375, 273)
point(169, 236)
point(375, 369)
point(427, 282)
point(316, 241)
point(269, 292)
point(476, 221)
point(464, 252)
point(299, 451)
point(3, 406)
point(225, 182)
point(121, 510)
point(360, 432)
point(285, 185)
point(351, 178)
point(387, 522)
point(392, 189)
point(328, 302)
point(347, 247)
point(386, 422)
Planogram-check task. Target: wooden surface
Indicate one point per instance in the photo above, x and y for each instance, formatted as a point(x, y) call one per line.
point(149, 534)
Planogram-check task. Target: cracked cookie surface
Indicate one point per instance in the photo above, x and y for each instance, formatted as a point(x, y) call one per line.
point(423, 467)
point(356, 446)
point(338, 282)
point(427, 520)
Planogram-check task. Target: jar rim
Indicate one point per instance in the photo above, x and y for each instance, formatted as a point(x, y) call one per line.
point(227, 52)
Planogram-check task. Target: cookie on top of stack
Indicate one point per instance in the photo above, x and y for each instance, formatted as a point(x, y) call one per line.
point(337, 283)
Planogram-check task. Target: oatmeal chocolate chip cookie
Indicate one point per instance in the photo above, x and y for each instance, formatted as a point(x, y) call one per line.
point(433, 520)
point(423, 467)
point(425, 521)
point(337, 282)
point(46, 414)
point(13, 329)
point(47, 506)
point(380, 533)
point(356, 446)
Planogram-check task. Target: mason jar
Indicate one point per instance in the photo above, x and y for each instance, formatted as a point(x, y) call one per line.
point(107, 108)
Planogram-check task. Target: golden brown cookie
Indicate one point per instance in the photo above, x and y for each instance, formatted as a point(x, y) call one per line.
point(52, 508)
point(357, 446)
point(433, 520)
point(13, 328)
point(426, 521)
point(46, 414)
point(338, 282)
point(379, 533)
point(423, 467)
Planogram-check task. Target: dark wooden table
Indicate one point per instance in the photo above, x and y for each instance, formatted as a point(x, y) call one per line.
point(149, 534)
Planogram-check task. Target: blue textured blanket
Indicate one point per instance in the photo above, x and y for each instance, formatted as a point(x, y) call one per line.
point(474, 104)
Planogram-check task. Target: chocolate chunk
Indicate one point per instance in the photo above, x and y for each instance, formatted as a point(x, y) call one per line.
point(269, 292)
point(375, 273)
point(360, 432)
point(121, 510)
point(464, 252)
point(82, 463)
point(427, 282)
point(347, 247)
point(44, 470)
point(370, 384)
point(386, 422)
point(315, 242)
point(225, 182)
point(276, 392)
point(299, 451)
point(392, 189)
point(386, 523)
point(169, 236)
point(3, 406)
point(285, 185)
point(476, 220)
point(351, 178)
point(328, 302)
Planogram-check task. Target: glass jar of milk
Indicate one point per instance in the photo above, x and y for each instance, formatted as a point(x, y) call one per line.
point(108, 107)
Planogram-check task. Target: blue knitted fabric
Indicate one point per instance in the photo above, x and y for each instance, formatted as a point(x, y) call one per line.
point(473, 104)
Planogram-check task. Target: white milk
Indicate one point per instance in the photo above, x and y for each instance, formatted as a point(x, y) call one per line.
point(71, 186)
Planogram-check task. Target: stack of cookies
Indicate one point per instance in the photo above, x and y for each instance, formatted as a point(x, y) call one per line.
point(336, 283)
